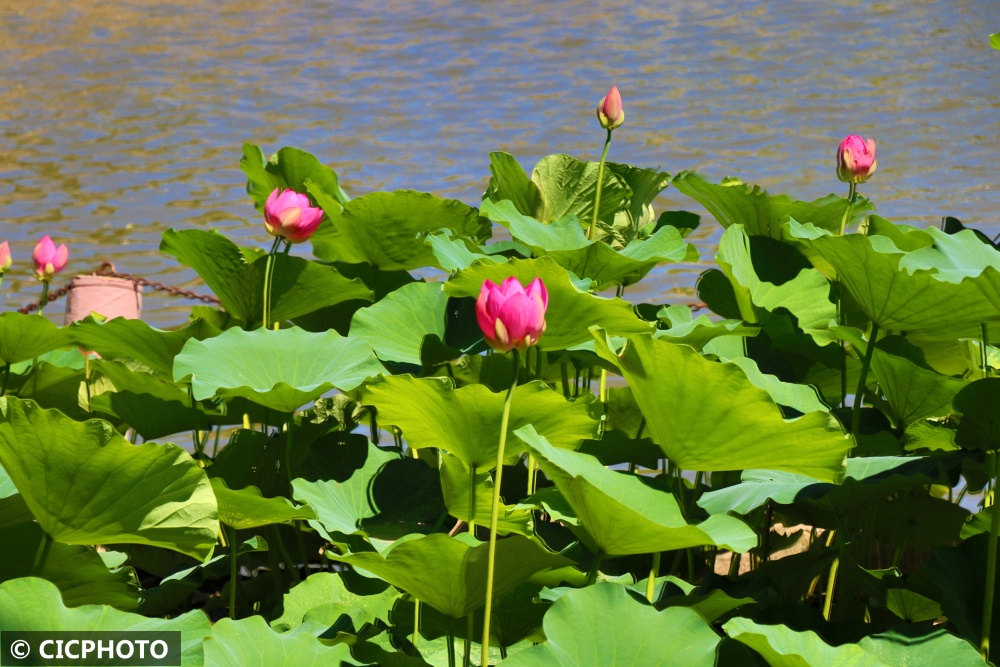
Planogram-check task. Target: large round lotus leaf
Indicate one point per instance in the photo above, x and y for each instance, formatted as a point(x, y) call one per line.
point(919, 646)
point(85, 484)
point(466, 421)
point(708, 416)
point(571, 311)
point(604, 626)
point(249, 641)
point(386, 229)
point(396, 325)
point(565, 241)
point(899, 298)
point(469, 497)
point(34, 605)
point(326, 593)
point(620, 514)
point(736, 203)
point(279, 369)
point(28, 336)
point(236, 275)
point(247, 508)
point(449, 573)
point(134, 339)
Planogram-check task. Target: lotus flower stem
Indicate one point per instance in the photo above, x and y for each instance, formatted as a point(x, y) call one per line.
point(859, 394)
point(595, 567)
point(984, 344)
point(233, 573)
point(564, 368)
point(852, 192)
point(991, 563)
point(654, 572)
point(472, 500)
point(416, 621)
point(470, 629)
point(451, 642)
point(532, 466)
point(495, 515)
point(45, 296)
point(600, 183)
point(268, 277)
point(42, 555)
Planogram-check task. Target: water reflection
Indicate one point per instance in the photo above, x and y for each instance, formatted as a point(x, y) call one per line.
point(125, 118)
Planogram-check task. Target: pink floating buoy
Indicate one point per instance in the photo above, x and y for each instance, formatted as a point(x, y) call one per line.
point(111, 297)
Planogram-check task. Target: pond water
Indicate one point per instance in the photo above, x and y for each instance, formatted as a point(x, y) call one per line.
point(124, 118)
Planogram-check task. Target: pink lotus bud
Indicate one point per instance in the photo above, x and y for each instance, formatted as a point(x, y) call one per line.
point(289, 215)
point(510, 316)
point(609, 110)
point(5, 260)
point(49, 260)
point(856, 159)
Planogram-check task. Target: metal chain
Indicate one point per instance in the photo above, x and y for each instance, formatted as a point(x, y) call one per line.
point(108, 269)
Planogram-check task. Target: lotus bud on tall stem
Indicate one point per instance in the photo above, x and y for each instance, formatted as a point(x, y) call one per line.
point(512, 319)
point(5, 260)
point(610, 115)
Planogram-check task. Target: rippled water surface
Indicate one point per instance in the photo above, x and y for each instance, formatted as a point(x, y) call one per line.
point(123, 119)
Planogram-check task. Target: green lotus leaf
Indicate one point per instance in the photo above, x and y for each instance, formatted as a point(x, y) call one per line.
point(979, 405)
point(449, 573)
point(455, 254)
point(153, 407)
point(326, 594)
point(913, 390)
point(281, 370)
point(469, 496)
point(466, 421)
point(646, 185)
point(396, 326)
point(236, 275)
point(53, 387)
point(953, 257)
point(897, 298)
point(358, 486)
point(920, 646)
point(78, 571)
point(247, 508)
point(866, 481)
point(620, 515)
point(85, 484)
point(571, 311)
point(559, 185)
point(134, 339)
point(32, 604)
point(250, 641)
point(565, 242)
point(625, 633)
point(684, 328)
point(289, 168)
point(738, 425)
point(762, 214)
point(806, 295)
point(386, 229)
point(25, 337)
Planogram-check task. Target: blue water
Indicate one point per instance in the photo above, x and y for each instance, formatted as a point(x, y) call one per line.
point(124, 118)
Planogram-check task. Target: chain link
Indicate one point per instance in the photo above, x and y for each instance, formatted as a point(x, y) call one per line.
point(108, 269)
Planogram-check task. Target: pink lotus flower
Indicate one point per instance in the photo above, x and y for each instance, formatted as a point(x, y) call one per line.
point(609, 110)
point(856, 159)
point(5, 260)
point(289, 215)
point(49, 260)
point(510, 316)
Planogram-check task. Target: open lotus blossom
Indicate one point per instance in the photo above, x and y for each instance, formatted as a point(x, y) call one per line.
point(856, 159)
point(511, 316)
point(5, 260)
point(609, 110)
point(49, 260)
point(290, 215)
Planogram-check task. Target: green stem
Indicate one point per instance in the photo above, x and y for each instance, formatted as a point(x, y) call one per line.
point(532, 466)
point(45, 296)
point(991, 563)
point(42, 555)
point(600, 183)
point(6, 376)
point(268, 277)
point(865, 365)
point(654, 571)
point(233, 573)
point(289, 426)
point(564, 369)
point(451, 642)
point(472, 500)
point(984, 343)
point(470, 629)
point(416, 621)
point(850, 205)
point(595, 567)
point(831, 582)
point(495, 516)
point(290, 566)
